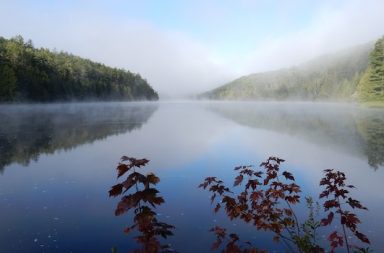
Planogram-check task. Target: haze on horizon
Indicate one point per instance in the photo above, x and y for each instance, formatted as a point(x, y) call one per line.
point(187, 47)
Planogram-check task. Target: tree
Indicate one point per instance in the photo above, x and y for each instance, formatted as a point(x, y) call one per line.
point(7, 83)
point(44, 76)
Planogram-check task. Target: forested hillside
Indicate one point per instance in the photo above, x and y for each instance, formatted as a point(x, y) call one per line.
point(371, 86)
point(31, 74)
point(330, 77)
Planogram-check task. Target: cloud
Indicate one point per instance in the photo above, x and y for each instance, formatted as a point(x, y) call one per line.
point(331, 29)
point(213, 44)
point(173, 63)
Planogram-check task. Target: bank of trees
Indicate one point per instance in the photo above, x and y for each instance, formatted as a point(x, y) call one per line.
point(371, 86)
point(39, 75)
point(354, 74)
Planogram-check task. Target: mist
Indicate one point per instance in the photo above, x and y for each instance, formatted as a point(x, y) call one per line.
point(206, 46)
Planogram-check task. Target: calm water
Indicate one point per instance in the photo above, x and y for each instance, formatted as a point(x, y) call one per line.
point(58, 162)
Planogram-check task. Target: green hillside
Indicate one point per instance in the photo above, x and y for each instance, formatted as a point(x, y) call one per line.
point(371, 87)
point(30, 74)
point(352, 74)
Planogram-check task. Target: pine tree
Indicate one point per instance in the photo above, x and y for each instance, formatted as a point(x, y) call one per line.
point(377, 71)
point(7, 83)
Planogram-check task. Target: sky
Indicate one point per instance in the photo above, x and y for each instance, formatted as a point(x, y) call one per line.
point(188, 47)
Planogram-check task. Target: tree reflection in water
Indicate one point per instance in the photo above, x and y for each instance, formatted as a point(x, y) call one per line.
point(27, 131)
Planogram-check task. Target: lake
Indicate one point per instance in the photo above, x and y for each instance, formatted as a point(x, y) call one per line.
point(59, 161)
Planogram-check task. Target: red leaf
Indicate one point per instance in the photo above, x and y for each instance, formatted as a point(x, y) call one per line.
point(121, 169)
point(116, 190)
point(149, 195)
point(152, 178)
point(288, 175)
point(336, 240)
point(362, 237)
point(253, 183)
point(126, 203)
point(238, 180)
point(139, 162)
point(255, 195)
point(324, 194)
point(330, 204)
point(328, 220)
point(355, 204)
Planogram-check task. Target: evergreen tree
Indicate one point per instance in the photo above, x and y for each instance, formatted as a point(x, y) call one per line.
point(371, 86)
point(32, 74)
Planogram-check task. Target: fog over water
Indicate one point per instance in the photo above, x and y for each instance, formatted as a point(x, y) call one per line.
point(190, 47)
point(58, 163)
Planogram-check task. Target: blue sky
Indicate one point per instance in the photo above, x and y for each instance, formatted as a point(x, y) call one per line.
point(186, 47)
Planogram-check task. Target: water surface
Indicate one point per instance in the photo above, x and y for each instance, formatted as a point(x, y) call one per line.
point(58, 162)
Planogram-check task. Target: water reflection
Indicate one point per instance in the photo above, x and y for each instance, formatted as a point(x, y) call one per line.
point(28, 131)
point(348, 129)
point(60, 204)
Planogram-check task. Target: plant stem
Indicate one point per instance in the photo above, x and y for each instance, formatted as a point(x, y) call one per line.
point(342, 225)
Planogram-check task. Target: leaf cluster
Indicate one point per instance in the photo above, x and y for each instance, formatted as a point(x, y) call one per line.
point(143, 200)
point(267, 199)
point(336, 192)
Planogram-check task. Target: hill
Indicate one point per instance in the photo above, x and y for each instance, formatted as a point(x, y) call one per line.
point(371, 86)
point(29, 74)
point(330, 77)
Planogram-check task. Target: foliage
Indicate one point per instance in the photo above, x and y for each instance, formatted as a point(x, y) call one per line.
point(32, 74)
point(267, 201)
point(336, 192)
point(330, 77)
point(371, 86)
point(144, 199)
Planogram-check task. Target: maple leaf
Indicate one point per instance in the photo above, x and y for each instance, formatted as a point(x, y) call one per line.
point(331, 204)
point(362, 237)
point(116, 190)
point(152, 178)
point(126, 203)
point(129, 182)
point(288, 175)
point(336, 240)
point(293, 199)
point(255, 195)
point(149, 195)
point(355, 204)
point(328, 220)
point(238, 180)
point(121, 169)
point(139, 162)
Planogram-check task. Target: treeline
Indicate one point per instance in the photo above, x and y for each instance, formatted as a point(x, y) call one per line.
point(330, 77)
point(371, 86)
point(38, 75)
